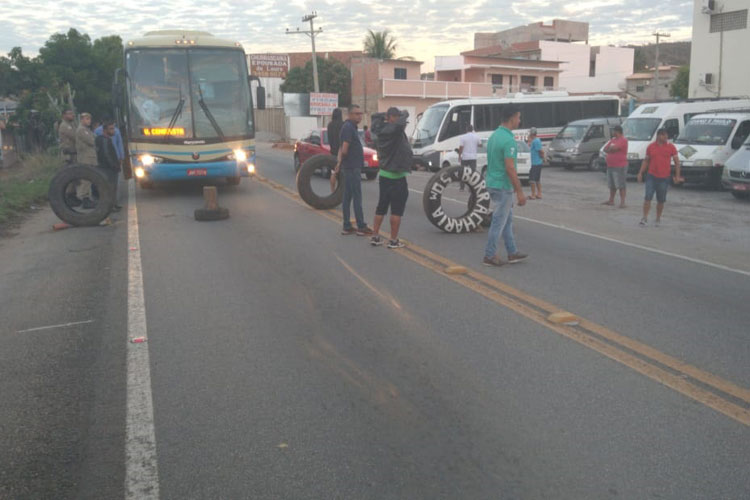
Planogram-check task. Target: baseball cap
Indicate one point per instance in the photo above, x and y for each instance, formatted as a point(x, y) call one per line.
point(393, 111)
point(532, 131)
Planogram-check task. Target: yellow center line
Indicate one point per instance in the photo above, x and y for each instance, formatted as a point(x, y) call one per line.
point(585, 333)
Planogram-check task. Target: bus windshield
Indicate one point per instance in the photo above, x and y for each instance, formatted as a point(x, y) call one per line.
point(197, 93)
point(709, 131)
point(640, 129)
point(429, 126)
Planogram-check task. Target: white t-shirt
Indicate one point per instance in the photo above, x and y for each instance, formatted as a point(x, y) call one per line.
point(470, 143)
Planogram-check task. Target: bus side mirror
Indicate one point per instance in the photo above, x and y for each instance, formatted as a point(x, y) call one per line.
point(260, 97)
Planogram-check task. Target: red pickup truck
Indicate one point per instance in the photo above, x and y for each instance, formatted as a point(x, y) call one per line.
point(316, 143)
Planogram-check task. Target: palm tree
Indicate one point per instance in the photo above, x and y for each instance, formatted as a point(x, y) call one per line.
point(380, 45)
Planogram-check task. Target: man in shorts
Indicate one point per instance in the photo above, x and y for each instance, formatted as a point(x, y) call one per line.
point(537, 160)
point(467, 150)
point(395, 159)
point(617, 165)
point(658, 163)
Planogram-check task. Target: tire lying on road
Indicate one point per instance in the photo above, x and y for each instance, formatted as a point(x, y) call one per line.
point(478, 206)
point(64, 182)
point(304, 187)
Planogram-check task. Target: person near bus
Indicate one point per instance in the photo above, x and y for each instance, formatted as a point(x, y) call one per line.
point(107, 158)
point(85, 155)
point(467, 150)
point(617, 165)
point(537, 160)
point(657, 165)
point(395, 159)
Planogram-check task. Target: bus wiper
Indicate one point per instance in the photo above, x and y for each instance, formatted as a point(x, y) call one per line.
point(175, 115)
point(210, 116)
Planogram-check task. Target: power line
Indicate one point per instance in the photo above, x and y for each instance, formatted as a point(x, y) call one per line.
point(311, 33)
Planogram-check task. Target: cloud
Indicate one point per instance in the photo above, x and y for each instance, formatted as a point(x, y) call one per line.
point(423, 28)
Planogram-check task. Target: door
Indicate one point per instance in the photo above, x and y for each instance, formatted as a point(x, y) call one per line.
point(593, 140)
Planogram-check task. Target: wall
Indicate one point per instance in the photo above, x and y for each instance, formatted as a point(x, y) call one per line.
point(560, 29)
point(613, 65)
point(270, 124)
point(299, 126)
point(386, 69)
point(731, 72)
point(366, 85)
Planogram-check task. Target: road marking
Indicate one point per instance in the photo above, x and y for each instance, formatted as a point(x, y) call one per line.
point(141, 471)
point(61, 325)
point(712, 391)
point(614, 240)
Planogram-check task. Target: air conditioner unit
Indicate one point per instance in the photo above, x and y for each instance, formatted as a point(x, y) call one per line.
point(709, 6)
point(708, 79)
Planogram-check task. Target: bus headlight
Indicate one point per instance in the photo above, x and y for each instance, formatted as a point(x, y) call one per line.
point(147, 160)
point(139, 172)
point(240, 155)
point(250, 168)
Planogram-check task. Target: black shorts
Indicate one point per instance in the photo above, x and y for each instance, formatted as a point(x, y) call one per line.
point(535, 174)
point(393, 192)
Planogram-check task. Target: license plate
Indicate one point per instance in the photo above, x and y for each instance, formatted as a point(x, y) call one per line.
point(740, 187)
point(197, 172)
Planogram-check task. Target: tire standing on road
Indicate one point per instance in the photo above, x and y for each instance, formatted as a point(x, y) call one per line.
point(304, 187)
point(73, 175)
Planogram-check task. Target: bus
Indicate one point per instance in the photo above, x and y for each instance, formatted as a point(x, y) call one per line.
point(436, 135)
point(183, 101)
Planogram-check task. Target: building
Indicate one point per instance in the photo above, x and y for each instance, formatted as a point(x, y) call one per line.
point(718, 62)
point(559, 30)
point(641, 85)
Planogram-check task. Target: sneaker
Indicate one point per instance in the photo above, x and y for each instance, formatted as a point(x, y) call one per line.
point(376, 241)
point(395, 244)
point(493, 262)
point(516, 257)
point(365, 231)
point(643, 222)
point(346, 231)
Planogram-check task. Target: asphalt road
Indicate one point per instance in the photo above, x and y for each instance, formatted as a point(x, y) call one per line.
point(287, 361)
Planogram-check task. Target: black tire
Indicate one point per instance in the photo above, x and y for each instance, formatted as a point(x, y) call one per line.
point(203, 214)
point(568, 166)
point(741, 195)
point(371, 175)
point(592, 163)
point(59, 202)
point(234, 181)
point(478, 206)
point(304, 187)
point(297, 164)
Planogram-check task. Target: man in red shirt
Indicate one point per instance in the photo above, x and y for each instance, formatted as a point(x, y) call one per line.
point(617, 165)
point(658, 162)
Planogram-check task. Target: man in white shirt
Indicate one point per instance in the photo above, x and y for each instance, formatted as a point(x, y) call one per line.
point(467, 151)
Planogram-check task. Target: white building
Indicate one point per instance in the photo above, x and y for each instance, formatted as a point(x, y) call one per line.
point(718, 60)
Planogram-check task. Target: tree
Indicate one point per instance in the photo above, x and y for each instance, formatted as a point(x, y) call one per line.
point(333, 77)
point(380, 45)
point(681, 84)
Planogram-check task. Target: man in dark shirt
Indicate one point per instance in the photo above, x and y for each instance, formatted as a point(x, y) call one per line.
point(107, 159)
point(351, 158)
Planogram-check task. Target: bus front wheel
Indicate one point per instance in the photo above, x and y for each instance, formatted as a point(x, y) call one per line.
point(234, 181)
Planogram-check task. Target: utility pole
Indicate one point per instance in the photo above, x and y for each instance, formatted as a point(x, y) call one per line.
point(656, 68)
point(311, 34)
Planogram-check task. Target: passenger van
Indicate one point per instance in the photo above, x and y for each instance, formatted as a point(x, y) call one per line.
point(641, 126)
point(708, 141)
point(579, 142)
point(736, 176)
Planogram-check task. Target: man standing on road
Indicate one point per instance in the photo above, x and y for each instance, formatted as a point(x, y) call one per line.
point(537, 159)
point(467, 150)
point(86, 155)
point(658, 162)
point(334, 139)
point(351, 158)
point(617, 165)
point(395, 159)
point(502, 182)
point(107, 158)
point(66, 133)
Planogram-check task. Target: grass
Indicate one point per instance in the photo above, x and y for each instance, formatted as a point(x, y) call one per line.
point(26, 184)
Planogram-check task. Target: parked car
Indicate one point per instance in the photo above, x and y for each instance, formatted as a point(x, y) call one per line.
point(736, 176)
point(578, 143)
point(316, 143)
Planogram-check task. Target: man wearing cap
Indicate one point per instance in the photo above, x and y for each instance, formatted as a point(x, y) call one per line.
point(537, 159)
point(395, 159)
point(86, 155)
point(66, 133)
point(617, 165)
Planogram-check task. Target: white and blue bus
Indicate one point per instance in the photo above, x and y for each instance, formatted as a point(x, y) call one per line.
point(436, 135)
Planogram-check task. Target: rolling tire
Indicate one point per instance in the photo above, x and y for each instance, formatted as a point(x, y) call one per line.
point(204, 214)
point(57, 200)
point(304, 188)
point(297, 164)
point(477, 209)
point(234, 181)
point(371, 175)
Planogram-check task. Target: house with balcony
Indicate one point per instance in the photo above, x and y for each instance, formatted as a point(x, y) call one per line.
point(643, 85)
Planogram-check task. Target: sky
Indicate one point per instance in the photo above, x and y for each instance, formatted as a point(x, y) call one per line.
point(423, 29)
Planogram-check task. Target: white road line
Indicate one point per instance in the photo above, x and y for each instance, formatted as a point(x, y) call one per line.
point(61, 325)
point(141, 471)
point(613, 240)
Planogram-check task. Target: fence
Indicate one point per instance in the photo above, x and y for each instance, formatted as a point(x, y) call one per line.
point(270, 124)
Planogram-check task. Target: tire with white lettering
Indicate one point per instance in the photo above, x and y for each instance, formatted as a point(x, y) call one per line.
point(64, 201)
point(304, 178)
point(478, 206)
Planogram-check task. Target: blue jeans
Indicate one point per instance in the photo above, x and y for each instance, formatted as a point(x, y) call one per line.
point(353, 193)
point(502, 222)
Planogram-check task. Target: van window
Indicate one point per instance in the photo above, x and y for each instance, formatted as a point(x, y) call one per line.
point(640, 129)
point(673, 128)
point(458, 118)
point(596, 132)
point(743, 131)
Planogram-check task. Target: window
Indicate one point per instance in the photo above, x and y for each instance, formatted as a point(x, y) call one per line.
point(487, 117)
point(458, 118)
point(592, 67)
point(549, 81)
point(743, 131)
point(399, 73)
point(640, 88)
point(673, 128)
point(537, 114)
point(596, 132)
point(727, 21)
point(528, 82)
point(497, 79)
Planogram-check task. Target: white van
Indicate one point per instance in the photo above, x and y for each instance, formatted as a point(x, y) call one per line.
point(641, 126)
point(708, 141)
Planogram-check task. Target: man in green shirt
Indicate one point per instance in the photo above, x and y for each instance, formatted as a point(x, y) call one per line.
point(502, 182)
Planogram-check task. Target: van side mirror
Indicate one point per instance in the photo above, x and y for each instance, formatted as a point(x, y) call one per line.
point(260, 97)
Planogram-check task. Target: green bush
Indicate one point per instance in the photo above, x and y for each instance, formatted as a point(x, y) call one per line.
point(22, 186)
